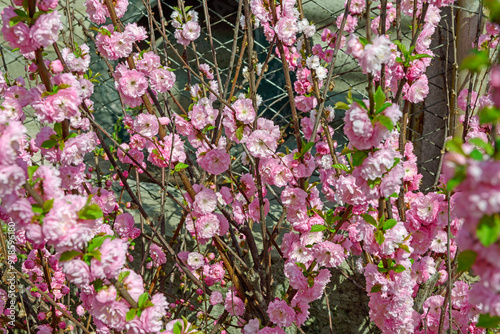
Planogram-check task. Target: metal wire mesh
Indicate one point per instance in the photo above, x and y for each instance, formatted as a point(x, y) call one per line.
point(427, 121)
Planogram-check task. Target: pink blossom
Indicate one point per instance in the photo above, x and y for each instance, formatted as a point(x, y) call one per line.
point(216, 298)
point(146, 125)
point(166, 153)
point(195, 260)
point(76, 271)
point(329, 254)
point(375, 54)
point(132, 83)
point(112, 259)
point(191, 30)
point(124, 225)
point(157, 255)
point(234, 305)
point(418, 91)
point(162, 80)
point(286, 29)
point(280, 313)
point(215, 161)
point(306, 103)
point(261, 145)
point(244, 111)
point(205, 201)
point(205, 227)
point(293, 197)
point(78, 61)
point(45, 31)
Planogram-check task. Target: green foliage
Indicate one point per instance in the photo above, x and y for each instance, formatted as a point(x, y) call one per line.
point(465, 260)
point(476, 61)
point(488, 229)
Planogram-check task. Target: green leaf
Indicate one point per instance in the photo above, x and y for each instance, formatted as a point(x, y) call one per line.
point(465, 260)
point(131, 314)
point(306, 148)
point(329, 216)
point(419, 56)
point(494, 10)
point(177, 327)
point(92, 211)
point(476, 154)
point(376, 288)
point(341, 167)
point(460, 175)
point(401, 47)
point(180, 166)
point(369, 219)
point(361, 103)
point(143, 299)
point(36, 209)
point(385, 121)
point(489, 115)
point(31, 171)
point(239, 132)
point(399, 268)
point(383, 107)
point(363, 41)
point(58, 126)
point(341, 105)
point(49, 143)
point(488, 321)
point(478, 142)
point(388, 224)
point(455, 145)
point(379, 98)
point(68, 255)
point(358, 157)
point(97, 242)
point(47, 205)
point(318, 228)
point(488, 230)
point(476, 61)
point(123, 275)
point(405, 248)
point(310, 281)
point(96, 254)
point(379, 237)
point(301, 265)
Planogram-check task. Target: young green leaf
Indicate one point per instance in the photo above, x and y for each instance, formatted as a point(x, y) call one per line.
point(488, 321)
point(341, 167)
point(92, 211)
point(68, 255)
point(369, 219)
point(488, 230)
point(130, 314)
point(465, 260)
point(49, 143)
point(379, 98)
point(180, 166)
point(142, 299)
point(376, 288)
point(123, 275)
point(318, 228)
point(388, 224)
point(385, 121)
point(379, 237)
point(358, 157)
point(489, 115)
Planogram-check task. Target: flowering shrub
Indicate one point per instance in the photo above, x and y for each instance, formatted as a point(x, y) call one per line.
point(92, 267)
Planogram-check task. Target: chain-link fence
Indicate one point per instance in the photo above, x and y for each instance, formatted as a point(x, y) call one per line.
point(427, 121)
